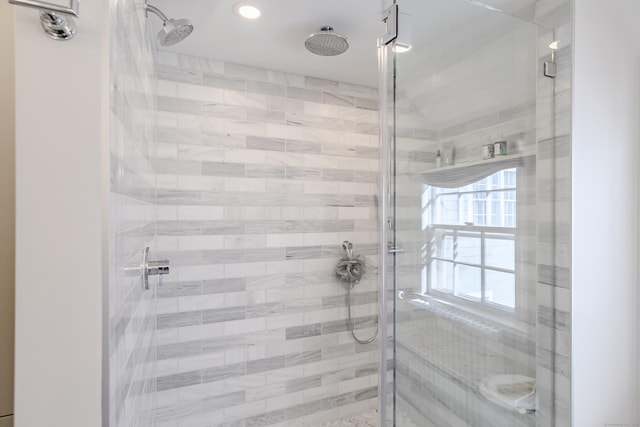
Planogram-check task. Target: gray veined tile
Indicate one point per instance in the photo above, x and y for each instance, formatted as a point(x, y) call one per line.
point(366, 370)
point(367, 393)
point(178, 74)
point(223, 314)
point(179, 289)
point(178, 380)
point(222, 82)
point(304, 94)
point(303, 252)
point(225, 111)
point(367, 103)
point(235, 423)
point(321, 84)
point(303, 358)
point(223, 285)
point(303, 383)
point(307, 147)
point(265, 171)
point(365, 176)
point(220, 373)
point(339, 400)
point(336, 99)
point(223, 401)
point(223, 169)
point(367, 128)
point(338, 175)
point(266, 419)
point(224, 343)
point(264, 365)
point(310, 174)
point(264, 227)
point(222, 227)
point(265, 88)
point(332, 226)
point(176, 320)
point(367, 152)
point(264, 310)
point(182, 349)
point(267, 116)
point(177, 167)
point(178, 105)
point(312, 226)
point(304, 409)
point(338, 351)
point(305, 331)
point(246, 71)
point(265, 144)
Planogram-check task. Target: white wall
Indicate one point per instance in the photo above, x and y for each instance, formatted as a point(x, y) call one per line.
point(60, 143)
point(7, 211)
point(605, 213)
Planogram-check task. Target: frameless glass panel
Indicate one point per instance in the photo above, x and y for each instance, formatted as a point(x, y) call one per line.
point(464, 220)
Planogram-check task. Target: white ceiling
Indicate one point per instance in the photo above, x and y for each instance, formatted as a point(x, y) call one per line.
point(276, 39)
point(448, 38)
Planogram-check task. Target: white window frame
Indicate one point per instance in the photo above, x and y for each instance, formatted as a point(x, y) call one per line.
point(432, 229)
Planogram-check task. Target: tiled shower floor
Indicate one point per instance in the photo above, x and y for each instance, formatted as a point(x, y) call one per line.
point(368, 419)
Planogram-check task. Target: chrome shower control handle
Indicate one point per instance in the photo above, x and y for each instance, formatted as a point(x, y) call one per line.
point(158, 267)
point(152, 268)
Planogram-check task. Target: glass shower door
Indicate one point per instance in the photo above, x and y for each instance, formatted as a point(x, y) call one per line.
point(462, 130)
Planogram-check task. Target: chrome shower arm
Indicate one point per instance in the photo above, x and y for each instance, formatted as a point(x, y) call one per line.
point(73, 9)
point(156, 11)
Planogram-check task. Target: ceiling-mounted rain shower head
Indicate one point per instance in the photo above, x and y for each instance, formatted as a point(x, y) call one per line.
point(326, 42)
point(173, 30)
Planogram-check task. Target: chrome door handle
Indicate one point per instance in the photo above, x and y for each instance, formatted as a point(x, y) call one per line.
point(152, 268)
point(392, 249)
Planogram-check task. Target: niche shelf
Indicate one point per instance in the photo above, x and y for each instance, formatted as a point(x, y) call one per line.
point(474, 170)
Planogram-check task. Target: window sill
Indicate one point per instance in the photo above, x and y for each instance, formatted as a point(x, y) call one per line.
point(486, 319)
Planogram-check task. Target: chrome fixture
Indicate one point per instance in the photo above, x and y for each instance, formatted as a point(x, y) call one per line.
point(326, 42)
point(550, 67)
point(57, 21)
point(350, 270)
point(173, 30)
point(152, 268)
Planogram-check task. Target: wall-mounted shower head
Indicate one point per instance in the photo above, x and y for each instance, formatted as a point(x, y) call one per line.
point(326, 42)
point(173, 30)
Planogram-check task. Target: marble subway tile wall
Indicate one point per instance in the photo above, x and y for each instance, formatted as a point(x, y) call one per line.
point(132, 216)
point(261, 176)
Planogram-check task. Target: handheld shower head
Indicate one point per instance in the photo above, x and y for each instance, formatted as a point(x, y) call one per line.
point(173, 30)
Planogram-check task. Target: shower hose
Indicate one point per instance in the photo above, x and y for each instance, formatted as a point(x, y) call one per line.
point(350, 286)
point(350, 269)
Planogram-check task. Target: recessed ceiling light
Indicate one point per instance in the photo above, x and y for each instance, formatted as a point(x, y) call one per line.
point(401, 48)
point(247, 10)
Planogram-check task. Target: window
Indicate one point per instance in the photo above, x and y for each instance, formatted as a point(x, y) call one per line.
point(470, 247)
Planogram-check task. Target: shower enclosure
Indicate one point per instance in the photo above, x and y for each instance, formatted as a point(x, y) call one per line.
point(446, 182)
point(473, 180)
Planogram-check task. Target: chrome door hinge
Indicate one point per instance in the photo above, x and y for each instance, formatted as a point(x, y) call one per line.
point(550, 69)
point(390, 19)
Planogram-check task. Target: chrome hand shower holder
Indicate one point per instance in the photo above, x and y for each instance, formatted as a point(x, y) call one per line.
point(57, 21)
